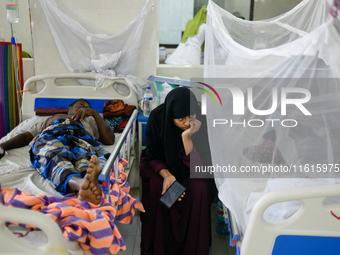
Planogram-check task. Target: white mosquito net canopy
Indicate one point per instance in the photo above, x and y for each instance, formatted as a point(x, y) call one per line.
point(85, 48)
point(277, 125)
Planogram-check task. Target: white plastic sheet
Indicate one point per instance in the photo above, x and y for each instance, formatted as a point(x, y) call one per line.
point(299, 49)
point(84, 48)
point(188, 53)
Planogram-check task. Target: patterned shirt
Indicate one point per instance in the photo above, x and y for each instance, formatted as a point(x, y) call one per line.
point(89, 123)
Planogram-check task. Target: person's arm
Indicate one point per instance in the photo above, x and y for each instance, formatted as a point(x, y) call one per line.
point(191, 160)
point(159, 167)
point(186, 135)
point(169, 179)
point(18, 141)
point(106, 135)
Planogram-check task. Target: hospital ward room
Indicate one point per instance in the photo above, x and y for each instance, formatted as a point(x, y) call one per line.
point(170, 127)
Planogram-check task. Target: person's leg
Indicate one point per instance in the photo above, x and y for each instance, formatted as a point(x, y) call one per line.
point(151, 234)
point(73, 185)
point(88, 189)
point(155, 216)
point(55, 162)
point(196, 216)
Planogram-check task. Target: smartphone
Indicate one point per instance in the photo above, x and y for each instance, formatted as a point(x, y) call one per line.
point(172, 194)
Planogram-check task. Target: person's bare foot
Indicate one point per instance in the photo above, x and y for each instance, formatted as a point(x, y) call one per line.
point(90, 190)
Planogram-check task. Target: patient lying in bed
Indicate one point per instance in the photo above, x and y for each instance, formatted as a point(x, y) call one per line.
point(65, 151)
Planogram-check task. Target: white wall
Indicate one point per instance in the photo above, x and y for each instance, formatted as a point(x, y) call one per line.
point(185, 72)
point(265, 9)
point(22, 29)
point(47, 58)
point(173, 16)
point(241, 6)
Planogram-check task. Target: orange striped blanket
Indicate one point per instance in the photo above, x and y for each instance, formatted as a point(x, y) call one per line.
point(91, 225)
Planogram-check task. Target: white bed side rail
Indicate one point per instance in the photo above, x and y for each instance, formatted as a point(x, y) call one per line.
point(124, 138)
point(10, 244)
point(314, 218)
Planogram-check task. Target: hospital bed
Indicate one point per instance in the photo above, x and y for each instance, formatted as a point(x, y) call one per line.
point(312, 229)
point(285, 214)
point(16, 170)
point(295, 216)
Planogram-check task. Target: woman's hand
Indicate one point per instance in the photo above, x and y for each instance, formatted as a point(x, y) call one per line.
point(83, 113)
point(167, 182)
point(169, 179)
point(195, 125)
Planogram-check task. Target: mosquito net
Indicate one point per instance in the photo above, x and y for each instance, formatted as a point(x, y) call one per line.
point(85, 48)
point(277, 124)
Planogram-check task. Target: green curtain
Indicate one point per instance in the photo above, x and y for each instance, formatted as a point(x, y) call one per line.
point(193, 25)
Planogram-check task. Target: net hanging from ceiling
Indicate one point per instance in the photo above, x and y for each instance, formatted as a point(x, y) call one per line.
point(278, 80)
point(85, 48)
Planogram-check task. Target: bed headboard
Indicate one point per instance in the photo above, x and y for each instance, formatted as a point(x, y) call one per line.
point(48, 91)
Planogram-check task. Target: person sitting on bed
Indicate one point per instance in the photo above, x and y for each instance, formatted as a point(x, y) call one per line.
point(176, 142)
point(64, 149)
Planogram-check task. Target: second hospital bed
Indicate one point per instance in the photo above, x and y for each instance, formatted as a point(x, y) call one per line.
point(17, 172)
point(284, 216)
point(277, 213)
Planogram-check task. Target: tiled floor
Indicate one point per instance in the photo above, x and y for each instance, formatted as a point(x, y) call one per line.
point(132, 235)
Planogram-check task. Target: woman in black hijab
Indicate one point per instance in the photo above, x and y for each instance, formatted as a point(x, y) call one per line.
point(176, 141)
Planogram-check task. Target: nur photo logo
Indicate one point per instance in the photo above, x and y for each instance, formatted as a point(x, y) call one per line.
point(261, 102)
point(204, 97)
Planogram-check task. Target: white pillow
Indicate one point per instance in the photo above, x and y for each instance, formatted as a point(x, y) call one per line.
point(27, 124)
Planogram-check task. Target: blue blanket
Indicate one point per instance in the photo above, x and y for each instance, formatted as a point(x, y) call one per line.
point(64, 150)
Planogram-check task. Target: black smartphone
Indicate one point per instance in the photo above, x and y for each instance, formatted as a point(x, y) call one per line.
point(172, 194)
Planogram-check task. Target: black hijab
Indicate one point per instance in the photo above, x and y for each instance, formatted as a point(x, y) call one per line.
point(163, 138)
